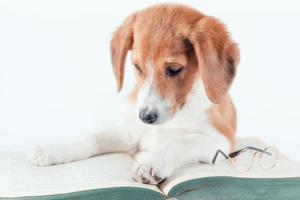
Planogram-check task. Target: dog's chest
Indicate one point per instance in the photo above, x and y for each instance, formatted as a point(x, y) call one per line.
point(151, 137)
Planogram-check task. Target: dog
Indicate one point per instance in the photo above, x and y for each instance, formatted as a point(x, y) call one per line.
point(179, 111)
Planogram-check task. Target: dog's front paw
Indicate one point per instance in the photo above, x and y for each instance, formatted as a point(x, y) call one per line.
point(45, 155)
point(151, 169)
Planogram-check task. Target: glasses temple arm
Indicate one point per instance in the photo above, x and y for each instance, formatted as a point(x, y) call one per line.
point(261, 150)
point(216, 155)
point(257, 149)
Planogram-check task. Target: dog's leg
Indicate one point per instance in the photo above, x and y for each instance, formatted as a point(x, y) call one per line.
point(111, 140)
point(154, 166)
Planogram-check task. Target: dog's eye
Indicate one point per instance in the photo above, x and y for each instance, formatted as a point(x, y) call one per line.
point(138, 68)
point(173, 70)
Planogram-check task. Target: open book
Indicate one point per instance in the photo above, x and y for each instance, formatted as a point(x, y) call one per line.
point(108, 177)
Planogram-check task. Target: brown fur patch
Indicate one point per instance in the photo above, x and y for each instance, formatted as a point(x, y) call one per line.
point(223, 117)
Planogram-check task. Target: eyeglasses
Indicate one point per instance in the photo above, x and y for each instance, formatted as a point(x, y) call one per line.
point(243, 159)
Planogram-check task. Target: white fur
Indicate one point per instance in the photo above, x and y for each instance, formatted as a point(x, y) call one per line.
point(149, 97)
point(187, 137)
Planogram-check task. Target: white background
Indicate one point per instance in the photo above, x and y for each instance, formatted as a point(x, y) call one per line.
point(56, 82)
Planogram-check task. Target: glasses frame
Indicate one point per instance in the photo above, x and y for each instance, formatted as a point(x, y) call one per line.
point(232, 156)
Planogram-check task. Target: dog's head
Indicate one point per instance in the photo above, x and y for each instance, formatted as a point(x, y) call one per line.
point(172, 46)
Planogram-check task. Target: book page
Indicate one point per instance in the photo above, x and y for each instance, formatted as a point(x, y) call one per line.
point(283, 168)
point(18, 177)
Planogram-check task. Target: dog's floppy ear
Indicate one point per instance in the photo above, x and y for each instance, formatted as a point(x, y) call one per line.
point(217, 56)
point(120, 44)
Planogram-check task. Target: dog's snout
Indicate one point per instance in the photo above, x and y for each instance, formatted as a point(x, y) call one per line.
point(148, 116)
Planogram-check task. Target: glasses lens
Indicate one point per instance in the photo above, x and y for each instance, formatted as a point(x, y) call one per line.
point(268, 158)
point(244, 160)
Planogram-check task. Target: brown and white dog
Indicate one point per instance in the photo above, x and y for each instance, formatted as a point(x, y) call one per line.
point(179, 111)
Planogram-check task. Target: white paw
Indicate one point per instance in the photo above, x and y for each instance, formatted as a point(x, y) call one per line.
point(151, 169)
point(44, 155)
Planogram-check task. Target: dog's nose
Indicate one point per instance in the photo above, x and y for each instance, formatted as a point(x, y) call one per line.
point(148, 116)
